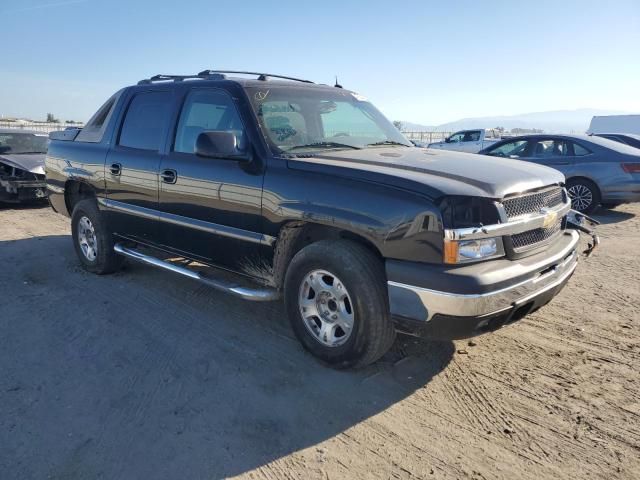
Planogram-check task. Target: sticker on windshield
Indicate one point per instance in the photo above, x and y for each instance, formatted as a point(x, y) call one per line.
point(261, 95)
point(360, 98)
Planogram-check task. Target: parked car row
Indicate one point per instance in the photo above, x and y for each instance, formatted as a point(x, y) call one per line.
point(597, 170)
point(601, 169)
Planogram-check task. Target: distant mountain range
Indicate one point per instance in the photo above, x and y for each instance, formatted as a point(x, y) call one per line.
point(559, 121)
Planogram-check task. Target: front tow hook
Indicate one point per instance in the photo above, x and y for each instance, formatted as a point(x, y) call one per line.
point(585, 224)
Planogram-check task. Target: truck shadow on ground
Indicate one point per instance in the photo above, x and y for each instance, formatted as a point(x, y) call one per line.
point(143, 374)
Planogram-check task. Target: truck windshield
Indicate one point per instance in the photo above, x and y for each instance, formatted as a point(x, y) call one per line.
point(23, 143)
point(299, 119)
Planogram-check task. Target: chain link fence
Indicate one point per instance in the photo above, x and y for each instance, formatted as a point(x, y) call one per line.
point(427, 137)
point(41, 127)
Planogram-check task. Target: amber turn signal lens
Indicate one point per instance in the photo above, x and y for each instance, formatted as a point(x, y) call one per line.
point(450, 251)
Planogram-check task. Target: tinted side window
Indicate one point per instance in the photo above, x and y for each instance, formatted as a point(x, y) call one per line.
point(205, 110)
point(579, 150)
point(145, 121)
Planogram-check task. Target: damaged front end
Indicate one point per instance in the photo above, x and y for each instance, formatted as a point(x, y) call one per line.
point(584, 224)
point(18, 184)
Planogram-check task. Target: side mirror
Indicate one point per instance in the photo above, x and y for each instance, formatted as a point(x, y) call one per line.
point(224, 145)
point(447, 140)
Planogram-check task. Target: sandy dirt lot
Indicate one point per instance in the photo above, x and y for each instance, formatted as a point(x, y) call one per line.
point(144, 375)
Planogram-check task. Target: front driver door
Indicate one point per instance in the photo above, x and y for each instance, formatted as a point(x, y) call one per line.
point(455, 142)
point(471, 141)
point(210, 208)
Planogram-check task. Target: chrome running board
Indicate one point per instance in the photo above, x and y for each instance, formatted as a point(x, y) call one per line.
point(258, 294)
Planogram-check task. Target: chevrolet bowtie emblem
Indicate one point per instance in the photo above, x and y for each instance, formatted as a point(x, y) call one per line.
point(550, 217)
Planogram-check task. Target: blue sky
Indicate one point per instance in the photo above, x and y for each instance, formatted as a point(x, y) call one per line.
point(420, 61)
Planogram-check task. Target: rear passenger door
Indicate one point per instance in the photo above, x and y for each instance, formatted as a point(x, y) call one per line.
point(131, 169)
point(209, 208)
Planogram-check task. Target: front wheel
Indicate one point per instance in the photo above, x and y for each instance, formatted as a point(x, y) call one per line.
point(585, 196)
point(91, 239)
point(336, 299)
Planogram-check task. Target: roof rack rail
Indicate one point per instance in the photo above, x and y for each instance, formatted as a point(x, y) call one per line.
point(261, 76)
point(180, 78)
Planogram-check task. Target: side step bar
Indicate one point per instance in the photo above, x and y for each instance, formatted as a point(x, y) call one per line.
point(259, 294)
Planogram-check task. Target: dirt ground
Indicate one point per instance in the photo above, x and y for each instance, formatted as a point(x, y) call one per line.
point(145, 375)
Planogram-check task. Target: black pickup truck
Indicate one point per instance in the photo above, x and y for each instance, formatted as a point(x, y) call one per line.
point(266, 186)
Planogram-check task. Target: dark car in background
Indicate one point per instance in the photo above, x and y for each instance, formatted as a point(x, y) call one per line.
point(22, 175)
point(598, 171)
point(627, 138)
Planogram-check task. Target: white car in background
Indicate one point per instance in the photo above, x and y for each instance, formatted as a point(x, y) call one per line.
point(471, 141)
point(615, 124)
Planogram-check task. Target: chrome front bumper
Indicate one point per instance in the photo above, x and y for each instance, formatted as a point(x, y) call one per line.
point(428, 303)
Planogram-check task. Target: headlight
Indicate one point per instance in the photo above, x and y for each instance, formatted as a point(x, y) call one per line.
point(461, 251)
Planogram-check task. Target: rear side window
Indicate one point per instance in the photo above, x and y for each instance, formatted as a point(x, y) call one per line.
point(579, 150)
point(205, 110)
point(145, 122)
point(93, 131)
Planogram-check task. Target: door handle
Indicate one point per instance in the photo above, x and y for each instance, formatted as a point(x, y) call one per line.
point(115, 169)
point(169, 176)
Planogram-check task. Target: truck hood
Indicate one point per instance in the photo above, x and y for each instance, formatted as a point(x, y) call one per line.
point(439, 172)
point(31, 162)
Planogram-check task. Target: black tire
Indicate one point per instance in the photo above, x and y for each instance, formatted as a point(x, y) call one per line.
point(586, 189)
point(105, 260)
point(363, 276)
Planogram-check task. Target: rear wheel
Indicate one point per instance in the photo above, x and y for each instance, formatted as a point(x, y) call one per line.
point(91, 240)
point(336, 299)
point(585, 196)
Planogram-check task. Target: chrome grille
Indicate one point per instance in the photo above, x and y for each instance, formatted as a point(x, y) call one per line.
point(533, 202)
point(532, 238)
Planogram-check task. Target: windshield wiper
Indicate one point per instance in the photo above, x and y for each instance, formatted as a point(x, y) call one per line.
point(324, 145)
point(386, 142)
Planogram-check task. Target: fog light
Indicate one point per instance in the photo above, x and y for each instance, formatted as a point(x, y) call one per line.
point(470, 250)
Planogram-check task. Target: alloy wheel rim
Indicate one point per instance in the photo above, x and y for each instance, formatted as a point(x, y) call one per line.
point(326, 308)
point(87, 239)
point(581, 197)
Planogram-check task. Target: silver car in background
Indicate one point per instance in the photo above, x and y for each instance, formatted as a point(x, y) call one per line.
point(598, 171)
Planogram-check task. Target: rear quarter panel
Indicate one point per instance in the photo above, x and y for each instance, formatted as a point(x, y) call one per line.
point(73, 161)
point(605, 170)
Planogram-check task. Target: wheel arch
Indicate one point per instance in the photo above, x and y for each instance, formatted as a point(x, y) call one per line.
point(588, 179)
point(75, 191)
point(295, 235)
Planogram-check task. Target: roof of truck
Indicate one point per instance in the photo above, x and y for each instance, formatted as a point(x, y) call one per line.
point(255, 79)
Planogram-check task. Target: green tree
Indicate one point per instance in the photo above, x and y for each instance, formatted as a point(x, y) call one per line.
point(51, 118)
